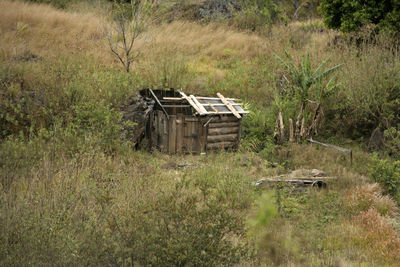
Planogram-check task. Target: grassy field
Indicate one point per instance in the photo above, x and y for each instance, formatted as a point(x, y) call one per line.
point(73, 192)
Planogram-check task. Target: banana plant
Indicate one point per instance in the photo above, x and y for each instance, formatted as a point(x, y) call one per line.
point(310, 86)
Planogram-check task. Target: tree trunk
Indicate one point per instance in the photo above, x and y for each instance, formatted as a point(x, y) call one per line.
point(281, 127)
point(303, 129)
point(291, 131)
point(315, 121)
point(298, 122)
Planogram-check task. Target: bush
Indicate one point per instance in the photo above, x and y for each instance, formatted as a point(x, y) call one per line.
point(257, 129)
point(95, 209)
point(387, 174)
point(352, 15)
point(181, 229)
point(256, 14)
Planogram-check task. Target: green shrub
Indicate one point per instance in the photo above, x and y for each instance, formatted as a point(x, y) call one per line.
point(94, 209)
point(257, 131)
point(352, 15)
point(181, 229)
point(387, 174)
point(256, 14)
point(392, 142)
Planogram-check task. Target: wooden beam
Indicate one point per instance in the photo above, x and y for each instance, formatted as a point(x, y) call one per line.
point(225, 112)
point(221, 145)
point(212, 107)
point(222, 138)
point(198, 97)
point(209, 104)
point(177, 106)
point(226, 118)
point(173, 98)
point(215, 98)
point(198, 104)
point(158, 102)
point(221, 131)
point(191, 102)
point(223, 124)
point(229, 105)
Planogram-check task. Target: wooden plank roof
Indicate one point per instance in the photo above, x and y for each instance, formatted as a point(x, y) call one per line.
point(212, 105)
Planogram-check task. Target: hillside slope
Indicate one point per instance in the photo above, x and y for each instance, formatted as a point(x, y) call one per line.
point(74, 192)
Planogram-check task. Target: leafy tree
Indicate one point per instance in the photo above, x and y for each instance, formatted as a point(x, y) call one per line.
point(350, 16)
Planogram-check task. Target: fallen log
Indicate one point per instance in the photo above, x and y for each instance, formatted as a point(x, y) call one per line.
point(317, 182)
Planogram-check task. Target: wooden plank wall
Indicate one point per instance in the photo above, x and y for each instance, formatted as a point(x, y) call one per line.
point(224, 132)
point(179, 133)
point(187, 134)
point(159, 136)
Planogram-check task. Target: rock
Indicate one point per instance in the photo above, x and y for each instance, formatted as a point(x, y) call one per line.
point(318, 173)
point(218, 8)
point(307, 173)
point(377, 140)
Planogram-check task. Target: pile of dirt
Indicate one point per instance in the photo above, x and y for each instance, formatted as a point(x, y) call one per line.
point(136, 109)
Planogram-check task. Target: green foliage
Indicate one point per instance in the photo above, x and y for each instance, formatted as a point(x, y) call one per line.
point(73, 103)
point(387, 174)
point(103, 210)
point(305, 86)
point(369, 97)
point(392, 142)
point(182, 229)
point(257, 13)
point(307, 83)
point(257, 130)
point(352, 15)
point(266, 211)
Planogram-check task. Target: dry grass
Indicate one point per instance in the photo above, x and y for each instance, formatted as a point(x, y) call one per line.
point(43, 30)
point(209, 40)
point(362, 198)
point(381, 238)
point(46, 31)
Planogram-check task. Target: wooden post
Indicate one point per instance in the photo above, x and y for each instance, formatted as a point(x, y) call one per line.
point(303, 128)
point(281, 127)
point(291, 131)
point(299, 120)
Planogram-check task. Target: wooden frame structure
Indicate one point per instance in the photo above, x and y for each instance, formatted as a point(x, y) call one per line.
point(183, 123)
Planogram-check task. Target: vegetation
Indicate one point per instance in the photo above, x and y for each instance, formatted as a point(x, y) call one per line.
point(351, 16)
point(73, 191)
point(126, 26)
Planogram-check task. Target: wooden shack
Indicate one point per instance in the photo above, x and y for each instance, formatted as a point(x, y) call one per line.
point(181, 123)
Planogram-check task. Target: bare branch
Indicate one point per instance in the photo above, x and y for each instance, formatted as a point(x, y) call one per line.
point(125, 30)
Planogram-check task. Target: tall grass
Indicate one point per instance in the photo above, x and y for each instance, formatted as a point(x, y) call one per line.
point(73, 192)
